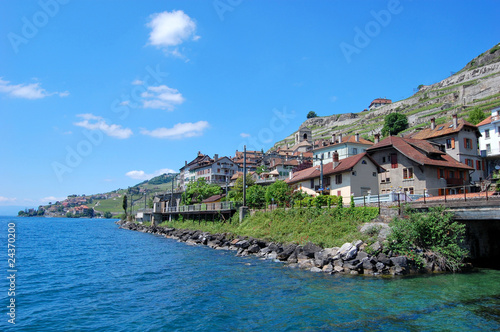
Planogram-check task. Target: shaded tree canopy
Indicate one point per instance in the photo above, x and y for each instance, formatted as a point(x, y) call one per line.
point(394, 123)
point(311, 115)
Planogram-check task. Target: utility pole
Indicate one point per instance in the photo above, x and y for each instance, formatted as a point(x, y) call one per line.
point(172, 194)
point(321, 176)
point(245, 175)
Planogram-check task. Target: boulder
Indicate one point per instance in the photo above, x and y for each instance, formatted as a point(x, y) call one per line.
point(376, 247)
point(361, 255)
point(292, 259)
point(305, 264)
point(316, 269)
point(287, 251)
point(254, 248)
point(243, 244)
point(367, 265)
point(380, 266)
point(338, 269)
point(382, 258)
point(328, 268)
point(399, 261)
point(345, 248)
point(310, 248)
point(358, 244)
point(351, 253)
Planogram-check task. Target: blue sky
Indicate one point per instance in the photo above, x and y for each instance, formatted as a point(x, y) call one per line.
point(96, 96)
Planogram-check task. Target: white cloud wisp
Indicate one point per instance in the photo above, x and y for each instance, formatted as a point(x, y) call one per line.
point(94, 122)
point(162, 97)
point(180, 130)
point(27, 91)
point(141, 175)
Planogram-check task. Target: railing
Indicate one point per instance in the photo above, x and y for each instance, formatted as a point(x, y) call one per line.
point(218, 206)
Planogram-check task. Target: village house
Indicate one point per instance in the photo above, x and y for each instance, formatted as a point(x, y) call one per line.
point(345, 146)
point(253, 160)
point(459, 139)
point(489, 142)
point(379, 102)
point(356, 175)
point(414, 165)
point(186, 174)
point(217, 170)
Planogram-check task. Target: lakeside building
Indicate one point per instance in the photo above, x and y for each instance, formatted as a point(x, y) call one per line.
point(414, 165)
point(186, 174)
point(216, 170)
point(459, 139)
point(489, 141)
point(356, 175)
point(345, 146)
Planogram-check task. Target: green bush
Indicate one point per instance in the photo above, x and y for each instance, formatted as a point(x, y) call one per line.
point(429, 232)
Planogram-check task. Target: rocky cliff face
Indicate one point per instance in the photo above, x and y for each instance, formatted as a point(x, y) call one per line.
point(476, 85)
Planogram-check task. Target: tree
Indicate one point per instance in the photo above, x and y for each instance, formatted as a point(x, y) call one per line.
point(394, 123)
point(256, 196)
point(198, 191)
point(107, 215)
point(237, 191)
point(261, 169)
point(476, 116)
point(279, 191)
point(311, 115)
point(124, 205)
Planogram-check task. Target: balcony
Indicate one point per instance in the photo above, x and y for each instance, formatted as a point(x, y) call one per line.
point(454, 182)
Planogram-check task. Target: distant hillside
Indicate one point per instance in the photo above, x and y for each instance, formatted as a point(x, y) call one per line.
point(476, 85)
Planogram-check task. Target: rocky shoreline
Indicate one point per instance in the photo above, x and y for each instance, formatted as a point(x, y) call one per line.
point(352, 258)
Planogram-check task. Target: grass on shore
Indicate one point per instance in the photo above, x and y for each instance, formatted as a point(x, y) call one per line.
point(325, 227)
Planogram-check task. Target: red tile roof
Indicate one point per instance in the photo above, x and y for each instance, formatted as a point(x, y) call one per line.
point(442, 130)
point(484, 122)
point(344, 165)
point(420, 151)
point(380, 101)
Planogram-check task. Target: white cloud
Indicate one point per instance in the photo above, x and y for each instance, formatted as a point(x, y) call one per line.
point(245, 135)
point(124, 103)
point(137, 82)
point(161, 97)
point(180, 130)
point(141, 175)
point(94, 122)
point(7, 199)
point(170, 29)
point(333, 99)
point(27, 91)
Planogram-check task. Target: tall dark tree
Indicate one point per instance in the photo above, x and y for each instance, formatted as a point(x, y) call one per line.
point(125, 204)
point(394, 123)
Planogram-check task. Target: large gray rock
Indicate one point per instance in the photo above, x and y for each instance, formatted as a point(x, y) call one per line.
point(316, 269)
point(350, 254)
point(345, 248)
point(376, 247)
point(358, 243)
point(243, 244)
point(287, 251)
point(328, 268)
point(361, 255)
point(399, 261)
point(382, 258)
point(380, 266)
point(310, 249)
point(254, 248)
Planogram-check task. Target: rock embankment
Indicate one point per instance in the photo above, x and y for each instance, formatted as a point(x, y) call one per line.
point(351, 258)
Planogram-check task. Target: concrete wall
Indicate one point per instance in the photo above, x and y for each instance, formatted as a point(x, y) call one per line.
point(482, 240)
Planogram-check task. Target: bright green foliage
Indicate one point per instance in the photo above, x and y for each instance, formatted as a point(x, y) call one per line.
point(352, 202)
point(261, 169)
point(433, 231)
point(311, 115)
point(199, 190)
point(476, 115)
point(394, 123)
point(256, 197)
point(236, 194)
point(496, 176)
point(325, 227)
point(280, 191)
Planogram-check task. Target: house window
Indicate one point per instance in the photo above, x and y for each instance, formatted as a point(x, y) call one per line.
point(363, 162)
point(338, 179)
point(328, 154)
point(312, 183)
point(487, 133)
point(441, 173)
point(478, 165)
point(355, 150)
point(468, 143)
point(354, 173)
point(339, 193)
point(408, 191)
point(469, 162)
point(488, 148)
point(383, 159)
point(452, 174)
point(374, 174)
point(408, 173)
point(394, 160)
point(448, 143)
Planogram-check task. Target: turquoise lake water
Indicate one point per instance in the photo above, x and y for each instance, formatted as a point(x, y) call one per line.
point(88, 275)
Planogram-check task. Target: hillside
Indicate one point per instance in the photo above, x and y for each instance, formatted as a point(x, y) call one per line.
point(141, 194)
point(476, 85)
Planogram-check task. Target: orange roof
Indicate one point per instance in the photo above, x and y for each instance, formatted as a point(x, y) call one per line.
point(380, 101)
point(346, 139)
point(442, 130)
point(484, 122)
point(420, 151)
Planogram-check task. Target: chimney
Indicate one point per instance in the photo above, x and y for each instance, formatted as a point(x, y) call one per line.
point(335, 157)
point(290, 175)
point(185, 162)
point(377, 138)
point(340, 138)
point(216, 156)
point(333, 138)
point(455, 121)
point(433, 123)
point(357, 137)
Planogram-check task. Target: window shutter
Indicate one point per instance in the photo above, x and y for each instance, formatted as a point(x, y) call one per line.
point(394, 160)
point(438, 173)
point(453, 143)
point(465, 142)
point(478, 165)
point(483, 166)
